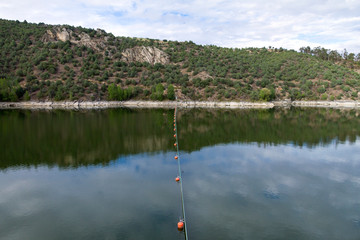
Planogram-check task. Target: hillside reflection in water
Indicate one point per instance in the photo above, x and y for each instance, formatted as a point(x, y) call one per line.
point(248, 174)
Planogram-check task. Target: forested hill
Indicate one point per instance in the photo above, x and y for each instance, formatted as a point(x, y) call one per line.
point(46, 62)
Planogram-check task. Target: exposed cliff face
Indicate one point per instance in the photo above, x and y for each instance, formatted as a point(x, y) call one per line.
point(83, 39)
point(151, 55)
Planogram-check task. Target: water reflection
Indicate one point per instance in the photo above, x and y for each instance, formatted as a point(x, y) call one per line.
point(134, 198)
point(73, 139)
point(247, 174)
point(277, 192)
point(232, 191)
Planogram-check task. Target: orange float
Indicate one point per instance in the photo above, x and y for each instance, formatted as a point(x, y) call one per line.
point(176, 157)
point(177, 179)
point(174, 135)
point(174, 144)
point(180, 225)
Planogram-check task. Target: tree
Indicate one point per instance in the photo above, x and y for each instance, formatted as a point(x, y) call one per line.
point(59, 94)
point(351, 57)
point(13, 97)
point(4, 90)
point(26, 96)
point(160, 88)
point(306, 50)
point(345, 54)
point(19, 92)
point(157, 93)
point(357, 58)
point(171, 92)
point(265, 94)
point(334, 56)
point(113, 92)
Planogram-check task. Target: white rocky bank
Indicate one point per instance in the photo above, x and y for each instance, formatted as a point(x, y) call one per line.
point(172, 104)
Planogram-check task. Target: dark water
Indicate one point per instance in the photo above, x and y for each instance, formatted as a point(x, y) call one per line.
point(248, 174)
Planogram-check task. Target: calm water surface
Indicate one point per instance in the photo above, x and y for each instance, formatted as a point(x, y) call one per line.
point(247, 174)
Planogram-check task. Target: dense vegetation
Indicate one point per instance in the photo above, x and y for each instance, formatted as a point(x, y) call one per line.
point(32, 69)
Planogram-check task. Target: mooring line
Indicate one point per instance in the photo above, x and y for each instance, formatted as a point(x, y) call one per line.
point(177, 157)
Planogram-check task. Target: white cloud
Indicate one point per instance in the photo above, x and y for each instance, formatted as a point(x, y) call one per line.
point(280, 23)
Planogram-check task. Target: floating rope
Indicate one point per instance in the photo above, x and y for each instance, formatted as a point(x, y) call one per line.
point(179, 179)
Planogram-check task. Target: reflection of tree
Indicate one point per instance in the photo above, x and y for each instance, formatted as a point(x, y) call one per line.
point(299, 126)
point(71, 139)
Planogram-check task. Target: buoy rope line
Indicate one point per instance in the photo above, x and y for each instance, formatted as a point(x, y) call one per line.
point(182, 222)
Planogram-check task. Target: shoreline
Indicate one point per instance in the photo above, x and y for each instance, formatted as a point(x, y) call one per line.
point(172, 104)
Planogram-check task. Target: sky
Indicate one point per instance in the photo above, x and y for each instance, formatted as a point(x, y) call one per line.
point(332, 24)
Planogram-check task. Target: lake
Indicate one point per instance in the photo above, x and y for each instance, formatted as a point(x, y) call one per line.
point(247, 174)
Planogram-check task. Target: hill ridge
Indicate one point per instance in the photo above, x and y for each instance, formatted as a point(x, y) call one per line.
point(62, 62)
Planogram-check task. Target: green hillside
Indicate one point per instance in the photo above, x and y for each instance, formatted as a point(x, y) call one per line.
point(46, 62)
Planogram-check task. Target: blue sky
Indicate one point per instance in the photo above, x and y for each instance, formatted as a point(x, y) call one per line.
point(333, 24)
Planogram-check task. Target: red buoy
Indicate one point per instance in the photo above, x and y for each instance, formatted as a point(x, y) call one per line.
point(174, 124)
point(174, 135)
point(181, 225)
point(174, 129)
point(174, 144)
point(177, 179)
point(176, 157)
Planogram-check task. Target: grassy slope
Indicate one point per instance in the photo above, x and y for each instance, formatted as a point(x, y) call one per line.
point(31, 69)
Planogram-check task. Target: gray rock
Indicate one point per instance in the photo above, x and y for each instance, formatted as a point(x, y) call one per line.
point(151, 55)
point(63, 34)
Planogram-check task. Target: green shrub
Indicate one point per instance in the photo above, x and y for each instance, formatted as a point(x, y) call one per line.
point(321, 89)
point(171, 92)
point(265, 94)
point(19, 92)
point(158, 92)
point(254, 95)
point(113, 92)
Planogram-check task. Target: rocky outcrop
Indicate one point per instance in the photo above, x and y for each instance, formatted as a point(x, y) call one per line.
point(151, 55)
point(172, 104)
point(64, 35)
point(49, 36)
point(82, 39)
point(91, 43)
point(57, 34)
point(131, 104)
